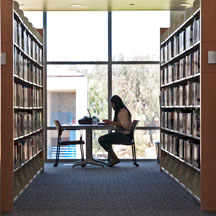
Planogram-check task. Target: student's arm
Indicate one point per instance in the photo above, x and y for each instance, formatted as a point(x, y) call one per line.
point(109, 122)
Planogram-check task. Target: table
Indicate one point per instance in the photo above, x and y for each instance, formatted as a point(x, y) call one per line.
point(89, 128)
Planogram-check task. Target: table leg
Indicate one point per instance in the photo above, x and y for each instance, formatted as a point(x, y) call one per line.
point(89, 159)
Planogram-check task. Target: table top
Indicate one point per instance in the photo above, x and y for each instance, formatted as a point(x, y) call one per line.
point(70, 126)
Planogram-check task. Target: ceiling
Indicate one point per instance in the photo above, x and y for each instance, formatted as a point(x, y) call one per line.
point(102, 5)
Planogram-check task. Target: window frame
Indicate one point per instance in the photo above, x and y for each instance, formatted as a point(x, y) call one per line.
point(109, 64)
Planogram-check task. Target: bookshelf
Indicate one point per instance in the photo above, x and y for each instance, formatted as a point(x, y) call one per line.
point(180, 103)
point(22, 104)
point(188, 103)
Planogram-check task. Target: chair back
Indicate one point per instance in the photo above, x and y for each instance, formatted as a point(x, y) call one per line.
point(59, 128)
point(134, 124)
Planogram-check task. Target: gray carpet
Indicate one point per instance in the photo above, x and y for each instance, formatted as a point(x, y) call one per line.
point(123, 190)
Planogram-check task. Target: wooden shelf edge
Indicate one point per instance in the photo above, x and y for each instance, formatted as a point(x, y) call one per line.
point(182, 134)
point(181, 26)
point(184, 52)
point(27, 108)
point(182, 185)
point(27, 55)
point(181, 107)
point(23, 164)
point(26, 81)
point(29, 31)
point(183, 161)
point(189, 78)
point(38, 172)
point(29, 134)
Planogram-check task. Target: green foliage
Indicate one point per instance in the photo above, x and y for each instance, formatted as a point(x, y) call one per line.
point(137, 85)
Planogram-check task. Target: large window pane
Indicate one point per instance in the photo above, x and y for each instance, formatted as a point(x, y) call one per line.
point(70, 91)
point(136, 34)
point(145, 145)
point(77, 36)
point(138, 86)
point(67, 152)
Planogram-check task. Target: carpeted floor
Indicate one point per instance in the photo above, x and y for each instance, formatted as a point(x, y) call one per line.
point(123, 190)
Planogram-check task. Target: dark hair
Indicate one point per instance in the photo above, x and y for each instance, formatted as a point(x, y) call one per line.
point(118, 105)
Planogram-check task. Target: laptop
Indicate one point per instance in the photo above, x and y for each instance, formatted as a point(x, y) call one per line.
point(99, 123)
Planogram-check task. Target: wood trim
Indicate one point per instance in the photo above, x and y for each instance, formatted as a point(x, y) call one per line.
point(7, 107)
point(208, 106)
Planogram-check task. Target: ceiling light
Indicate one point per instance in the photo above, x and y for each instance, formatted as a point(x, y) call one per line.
point(75, 5)
point(185, 5)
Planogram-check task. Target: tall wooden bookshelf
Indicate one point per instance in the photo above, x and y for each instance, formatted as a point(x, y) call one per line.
point(22, 104)
point(188, 102)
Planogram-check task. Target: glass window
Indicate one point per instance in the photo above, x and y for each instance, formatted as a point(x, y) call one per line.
point(145, 145)
point(138, 86)
point(70, 91)
point(136, 34)
point(77, 36)
point(67, 152)
point(144, 140)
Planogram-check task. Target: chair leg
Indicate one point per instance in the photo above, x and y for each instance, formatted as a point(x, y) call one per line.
point(134, 156)
point(82, 152)
point(82, 155)
point(57, 156)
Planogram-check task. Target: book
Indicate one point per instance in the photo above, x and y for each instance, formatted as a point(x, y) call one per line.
point(181, 149)
point(196, 155)
point(188, 151)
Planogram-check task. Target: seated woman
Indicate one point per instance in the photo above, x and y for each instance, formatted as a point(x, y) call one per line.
point(122, 120)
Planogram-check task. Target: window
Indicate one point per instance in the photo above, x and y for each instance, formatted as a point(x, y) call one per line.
point(138, 85)
point(70, 91)
point(77, 42)
point(76, 36)
point(136, 34)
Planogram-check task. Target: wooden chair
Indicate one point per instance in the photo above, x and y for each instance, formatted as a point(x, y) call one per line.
point(68, 142)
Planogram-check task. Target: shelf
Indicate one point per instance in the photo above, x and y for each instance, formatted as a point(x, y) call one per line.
point(26, 186)
point(182, 185)
point(26, 27)
point(181, 107)
point(183, 161)
point(183, 25)
point(29, 134)
point(27, 55)
point(182, 81)
point(27, 108)
point(16, 169)
point(22, 81)
point(185, 52)
point(182, 134)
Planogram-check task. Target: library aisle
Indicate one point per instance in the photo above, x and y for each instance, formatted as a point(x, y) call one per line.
point(122, 190)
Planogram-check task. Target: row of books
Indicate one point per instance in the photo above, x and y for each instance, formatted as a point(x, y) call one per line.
point(181, 41)
point(185, 149)
point(185, 67)
point(27, 122)
point(25, 149)
point(183, 122)
point(183, 95)
point(24, 39)
point(26, 69)
point(25, 96)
